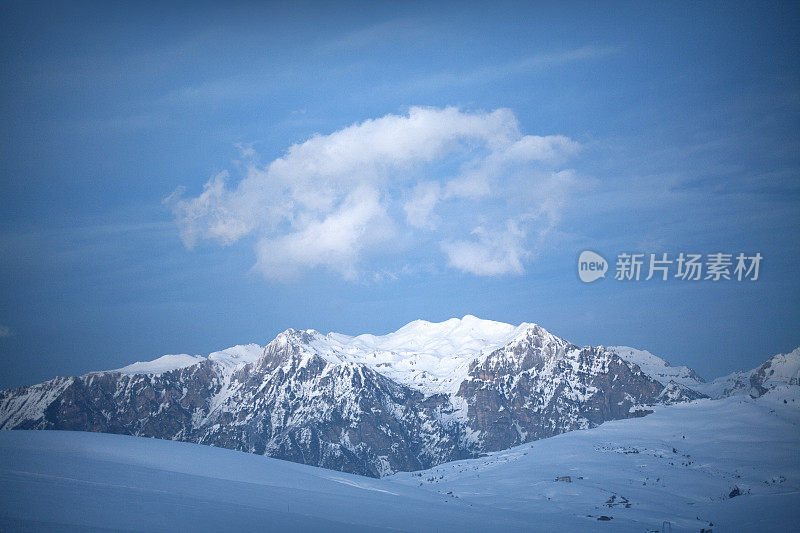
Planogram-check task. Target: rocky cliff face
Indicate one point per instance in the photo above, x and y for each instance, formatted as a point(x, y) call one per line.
point(368, 405)
point(539, 385)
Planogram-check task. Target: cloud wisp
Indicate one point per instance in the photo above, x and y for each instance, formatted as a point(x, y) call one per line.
point(468, 187)
point(504, 70)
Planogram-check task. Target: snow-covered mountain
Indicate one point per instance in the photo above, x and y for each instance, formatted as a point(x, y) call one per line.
point(657, 368)
point(681, 383)
point(374, 405)
point(779, 371)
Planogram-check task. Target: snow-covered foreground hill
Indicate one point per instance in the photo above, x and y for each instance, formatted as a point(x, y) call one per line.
point(680, 464)
point(75, 481)
point(731, 462)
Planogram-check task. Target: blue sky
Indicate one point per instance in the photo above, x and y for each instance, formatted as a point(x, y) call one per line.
point(182, 179)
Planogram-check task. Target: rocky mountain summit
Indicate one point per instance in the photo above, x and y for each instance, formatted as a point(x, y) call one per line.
point(372, 405)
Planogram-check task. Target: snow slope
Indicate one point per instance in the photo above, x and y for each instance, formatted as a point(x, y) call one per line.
point(72, 481)
point(679, 464)
point(238, 355)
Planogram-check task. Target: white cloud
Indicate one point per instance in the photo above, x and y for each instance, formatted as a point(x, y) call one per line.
point(336, 241)
point(420, 206)
point(488, 253)
point(5, 331)
point(335, 201)
point(536, 148)
point(474, 180)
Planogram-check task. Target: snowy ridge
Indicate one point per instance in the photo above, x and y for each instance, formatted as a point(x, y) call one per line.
point(228, 358)
point(465, 336)
point(432, 357)
point(165, 363)
point(657, 368)
point(778, 371)
point(735, 383)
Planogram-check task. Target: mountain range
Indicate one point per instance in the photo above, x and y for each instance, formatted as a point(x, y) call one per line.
point(423, 395)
